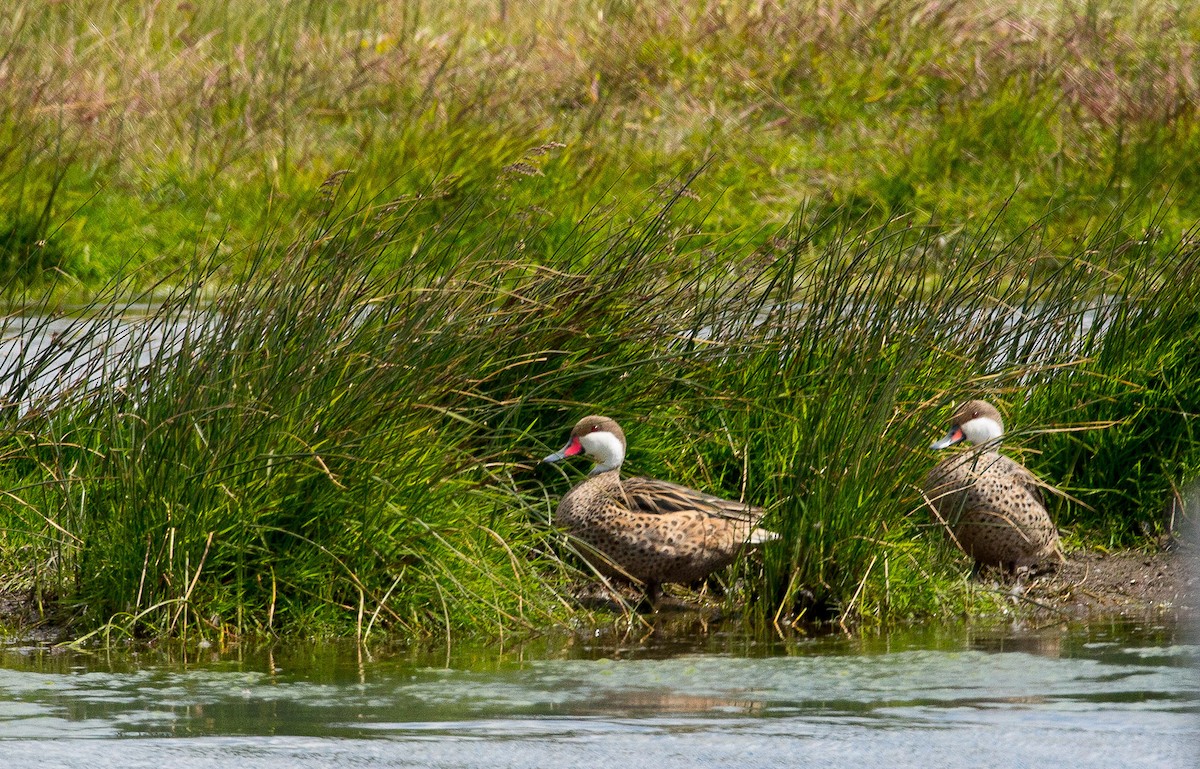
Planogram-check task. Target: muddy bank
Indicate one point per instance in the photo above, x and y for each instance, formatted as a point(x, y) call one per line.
point(1091, 584)
point(1127, 582)
point(23, 622)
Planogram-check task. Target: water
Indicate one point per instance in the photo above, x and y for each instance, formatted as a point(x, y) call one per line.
point(45, 360)
point(1104, 695)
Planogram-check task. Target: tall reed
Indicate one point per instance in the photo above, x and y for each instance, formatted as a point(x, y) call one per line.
point(335, 445)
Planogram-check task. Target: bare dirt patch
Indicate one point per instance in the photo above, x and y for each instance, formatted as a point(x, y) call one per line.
point(1094, 582)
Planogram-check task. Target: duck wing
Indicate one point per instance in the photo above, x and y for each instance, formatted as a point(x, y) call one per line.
point(648, 495)
point(1022, 476)
point(1032, 484)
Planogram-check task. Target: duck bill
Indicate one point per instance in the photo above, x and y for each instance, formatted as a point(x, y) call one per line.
point(571, 449)
point(949, 439)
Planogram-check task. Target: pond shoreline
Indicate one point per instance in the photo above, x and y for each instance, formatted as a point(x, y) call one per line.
point(1092, 584)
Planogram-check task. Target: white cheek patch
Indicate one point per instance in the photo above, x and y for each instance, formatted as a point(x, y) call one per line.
point(982, 430)
point(604, 448)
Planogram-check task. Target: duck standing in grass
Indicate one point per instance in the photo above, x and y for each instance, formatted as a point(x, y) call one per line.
point(991, 506)
point(651, 530)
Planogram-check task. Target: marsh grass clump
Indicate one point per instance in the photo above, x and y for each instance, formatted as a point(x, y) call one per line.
point(495, 225)
point(1140, 383)
point(290, 456)
point(335, 445)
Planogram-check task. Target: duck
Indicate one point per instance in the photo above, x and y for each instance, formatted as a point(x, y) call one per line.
point(653, 531)
point(991, 506)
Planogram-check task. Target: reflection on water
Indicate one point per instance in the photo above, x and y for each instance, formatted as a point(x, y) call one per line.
point(1102, 695)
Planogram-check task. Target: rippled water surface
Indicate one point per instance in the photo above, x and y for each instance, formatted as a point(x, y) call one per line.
point(1104, 695)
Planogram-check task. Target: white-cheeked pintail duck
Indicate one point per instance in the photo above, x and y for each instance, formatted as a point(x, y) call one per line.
point(991, 506)
point(651, 530)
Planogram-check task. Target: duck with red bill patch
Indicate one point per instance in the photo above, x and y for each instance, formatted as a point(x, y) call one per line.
point(955, 435)
point(990, 505)
point(653, 531)
point(573, 448)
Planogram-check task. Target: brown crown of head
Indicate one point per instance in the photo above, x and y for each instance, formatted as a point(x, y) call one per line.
point(974, 410)
point(596, 423)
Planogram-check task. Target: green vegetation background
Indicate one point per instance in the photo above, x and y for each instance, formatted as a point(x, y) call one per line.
point(157, 132)
point(774, 239)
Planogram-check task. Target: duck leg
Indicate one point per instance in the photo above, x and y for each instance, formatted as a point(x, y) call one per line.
point(653, 594)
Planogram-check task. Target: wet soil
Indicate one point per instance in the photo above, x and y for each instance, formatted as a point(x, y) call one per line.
point(1098, 583)
point(23, 622)
point(1091, 584)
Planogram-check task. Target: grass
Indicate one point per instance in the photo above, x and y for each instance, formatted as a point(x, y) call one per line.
point(166, 132)
point(347, 276)
point(329, 447)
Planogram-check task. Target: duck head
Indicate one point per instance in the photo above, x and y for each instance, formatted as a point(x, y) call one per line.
point(975, 422)
point(598, 438)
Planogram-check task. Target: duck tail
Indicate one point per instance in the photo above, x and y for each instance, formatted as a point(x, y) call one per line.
point(759, 536)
